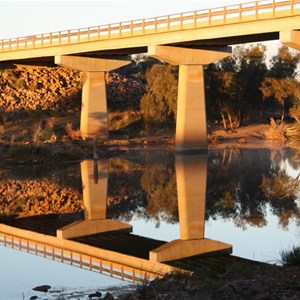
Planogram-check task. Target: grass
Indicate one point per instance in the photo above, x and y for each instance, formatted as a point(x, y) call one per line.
point(120, 120)
point(291, 257)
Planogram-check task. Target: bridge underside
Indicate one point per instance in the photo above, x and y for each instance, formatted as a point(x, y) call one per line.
point(119, 53)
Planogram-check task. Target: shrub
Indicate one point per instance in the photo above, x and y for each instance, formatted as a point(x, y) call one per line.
point(291, 257)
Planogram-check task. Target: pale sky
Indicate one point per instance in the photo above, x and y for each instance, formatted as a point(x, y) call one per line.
point(21, 17)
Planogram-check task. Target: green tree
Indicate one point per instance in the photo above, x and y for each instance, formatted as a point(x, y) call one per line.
point(251, 65)
point(280, 84)
point(232, 85)
point(221, 95)
point(281, 90)
point(159, 103)
point(284, 63)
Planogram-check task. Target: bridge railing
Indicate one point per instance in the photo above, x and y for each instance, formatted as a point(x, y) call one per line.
point(196, 19)
point(76, 259)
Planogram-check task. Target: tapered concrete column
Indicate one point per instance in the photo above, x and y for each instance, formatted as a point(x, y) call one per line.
point(94, 118)
point(94, 175)
point(191, 132)
point(191, 174)
point(290, 38)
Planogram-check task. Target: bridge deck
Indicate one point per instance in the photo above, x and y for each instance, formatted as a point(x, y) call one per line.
point(233, 24)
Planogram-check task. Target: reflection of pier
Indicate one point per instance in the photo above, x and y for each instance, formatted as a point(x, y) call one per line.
point(108, 246)
point(191, 173)
point(94, 181)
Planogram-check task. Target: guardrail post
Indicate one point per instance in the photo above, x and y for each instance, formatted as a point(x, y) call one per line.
point(99, 31)
point(181, 20)
point(240, 13)
point(256, 10)
point(209, 17)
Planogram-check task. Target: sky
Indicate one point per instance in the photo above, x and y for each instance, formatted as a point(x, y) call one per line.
point(21, 17)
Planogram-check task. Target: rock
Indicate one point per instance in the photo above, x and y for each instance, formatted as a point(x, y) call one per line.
point(108, 296)
point(42, 288)
point(95, 295)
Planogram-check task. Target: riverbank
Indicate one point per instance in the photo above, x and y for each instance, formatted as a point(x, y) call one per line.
point(32, 140)
point(236, 282)
point(243, 281)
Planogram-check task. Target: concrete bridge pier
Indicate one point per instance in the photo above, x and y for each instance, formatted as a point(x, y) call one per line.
point(94, 175)
point(191, 129)
point(93, 120)
point(191, 174)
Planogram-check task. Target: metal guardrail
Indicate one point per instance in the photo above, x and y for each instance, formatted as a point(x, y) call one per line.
point(195, 19)
point(101, 266)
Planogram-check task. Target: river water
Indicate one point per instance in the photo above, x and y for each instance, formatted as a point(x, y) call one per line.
point(248, 198)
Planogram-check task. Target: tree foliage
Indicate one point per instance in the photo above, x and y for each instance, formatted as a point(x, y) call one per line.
point(232, 85)
point(160, 101)
point(280, 84)
point(281, 90)
point(239, 89)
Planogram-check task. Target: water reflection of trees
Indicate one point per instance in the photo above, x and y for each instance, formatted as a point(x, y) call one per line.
point(159, 183)
point(154, 193)
point(243, 183)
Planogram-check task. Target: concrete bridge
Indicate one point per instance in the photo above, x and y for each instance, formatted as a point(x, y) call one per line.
point(190, 40)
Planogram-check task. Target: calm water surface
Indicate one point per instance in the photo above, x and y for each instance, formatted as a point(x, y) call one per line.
point(250, 196)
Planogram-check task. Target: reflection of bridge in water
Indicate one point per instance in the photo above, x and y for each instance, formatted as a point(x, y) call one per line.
point(108, 246)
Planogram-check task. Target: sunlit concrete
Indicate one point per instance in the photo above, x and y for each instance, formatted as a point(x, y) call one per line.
point(84, 253)
point(179, 249)
point(94, 176)
point(290, 38)
point(191, 174)
point(191, 131)
point(94, 116)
